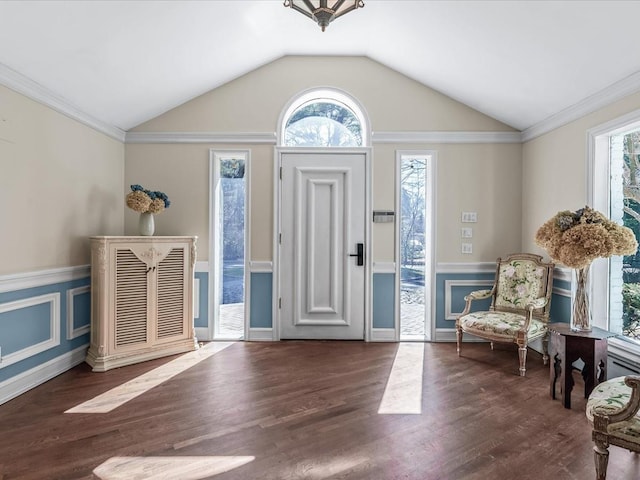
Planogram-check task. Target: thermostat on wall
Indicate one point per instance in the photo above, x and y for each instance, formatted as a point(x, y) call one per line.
point(383, 216)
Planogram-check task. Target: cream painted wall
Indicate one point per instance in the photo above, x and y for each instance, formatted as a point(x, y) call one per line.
point(471, 178)
point(483, 178)
point(555, 169)
point(253, 102)
point(60, 182)
point(182, 172)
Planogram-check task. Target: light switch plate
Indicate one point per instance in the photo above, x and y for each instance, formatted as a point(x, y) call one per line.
point(467, 232)
point(467, 248)
point(469, 217)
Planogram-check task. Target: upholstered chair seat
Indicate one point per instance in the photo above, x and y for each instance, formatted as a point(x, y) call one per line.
point(503, 324)
point(519, 310)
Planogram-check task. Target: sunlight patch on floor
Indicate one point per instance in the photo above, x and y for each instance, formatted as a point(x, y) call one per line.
point(169, 468)
point(121, 394)
point(403, 394)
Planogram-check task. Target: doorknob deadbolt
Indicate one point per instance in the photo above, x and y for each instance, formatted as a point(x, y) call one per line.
point(359, 254)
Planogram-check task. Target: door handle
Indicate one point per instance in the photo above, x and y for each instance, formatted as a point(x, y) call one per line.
point(359, 254)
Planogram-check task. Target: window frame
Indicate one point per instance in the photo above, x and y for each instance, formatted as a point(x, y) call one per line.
point(598, 196)
point(329, 94)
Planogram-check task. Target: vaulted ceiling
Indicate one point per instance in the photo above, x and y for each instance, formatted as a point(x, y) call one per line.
point(125, 62)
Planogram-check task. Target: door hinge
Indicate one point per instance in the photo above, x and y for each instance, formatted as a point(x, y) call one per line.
point(280, 239)
point(280, 173)
point(280, 302)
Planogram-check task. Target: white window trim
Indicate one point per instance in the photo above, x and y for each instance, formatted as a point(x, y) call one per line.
point(598, 151)
point(431, 158)
point(215, 155)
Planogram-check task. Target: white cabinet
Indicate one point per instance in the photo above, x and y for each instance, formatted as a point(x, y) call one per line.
point(141, 299)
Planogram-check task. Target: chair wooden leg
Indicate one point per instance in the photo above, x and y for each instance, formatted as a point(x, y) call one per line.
point(601, 457)
point(545, 349)
point(458, 339)
point(522, 353)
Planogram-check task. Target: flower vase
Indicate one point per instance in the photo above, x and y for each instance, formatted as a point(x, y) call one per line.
point(581, 308)
point(146, 225)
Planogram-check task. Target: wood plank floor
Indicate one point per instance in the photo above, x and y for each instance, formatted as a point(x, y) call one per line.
point(308, 410)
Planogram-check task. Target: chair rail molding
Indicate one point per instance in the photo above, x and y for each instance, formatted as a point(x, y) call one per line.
point(19, 281)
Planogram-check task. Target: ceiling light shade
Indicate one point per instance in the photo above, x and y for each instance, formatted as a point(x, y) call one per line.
point(323, 12)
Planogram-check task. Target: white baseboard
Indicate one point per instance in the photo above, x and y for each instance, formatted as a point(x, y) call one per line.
point(383, 335)
point(260, 335)
point(25, 381)
point(202, 334)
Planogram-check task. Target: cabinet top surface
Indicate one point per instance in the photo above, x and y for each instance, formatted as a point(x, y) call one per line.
point(143, 238)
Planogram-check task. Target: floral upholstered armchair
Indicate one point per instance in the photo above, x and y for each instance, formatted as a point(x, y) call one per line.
point(613, 412)
point(520, 302)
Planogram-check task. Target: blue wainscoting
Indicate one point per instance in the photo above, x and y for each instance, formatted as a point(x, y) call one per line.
point(451, 288)
point(261, 314)
point(44, 326)
point(201, 313)
point(561, 301)
point(384, 307)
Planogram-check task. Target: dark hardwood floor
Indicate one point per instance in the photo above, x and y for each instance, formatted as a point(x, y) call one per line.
point(308, 410)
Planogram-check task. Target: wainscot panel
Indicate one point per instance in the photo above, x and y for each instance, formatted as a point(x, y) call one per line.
point(261, 315)
point(201, 300)
point(384, 300)
point(44, 326)
point(451, 289)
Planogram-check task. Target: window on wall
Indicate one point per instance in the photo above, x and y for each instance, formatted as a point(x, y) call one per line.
point(614, 188)
point(229, 219)
point(323, 118)
point(625, 198)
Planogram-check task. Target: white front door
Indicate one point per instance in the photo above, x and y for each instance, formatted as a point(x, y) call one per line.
point(322, 280)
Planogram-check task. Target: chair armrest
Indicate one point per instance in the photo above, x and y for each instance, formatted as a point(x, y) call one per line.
point(475, 295)
point(603, 418)
point(478, 295)
point(537, 303)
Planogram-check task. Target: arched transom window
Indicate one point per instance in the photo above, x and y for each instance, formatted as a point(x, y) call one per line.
point(323, 118)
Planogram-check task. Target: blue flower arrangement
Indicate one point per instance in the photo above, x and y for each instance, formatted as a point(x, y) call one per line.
point(142, 200)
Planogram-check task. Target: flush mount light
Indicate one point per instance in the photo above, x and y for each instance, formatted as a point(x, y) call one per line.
point(321, 12)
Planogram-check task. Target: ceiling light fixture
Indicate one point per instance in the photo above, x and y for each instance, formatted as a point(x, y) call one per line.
point(321, 12)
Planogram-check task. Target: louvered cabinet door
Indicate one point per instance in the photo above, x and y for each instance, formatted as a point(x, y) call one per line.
point(131, 301)
point(170, 303)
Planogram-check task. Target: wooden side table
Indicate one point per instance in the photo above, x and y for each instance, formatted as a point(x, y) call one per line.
point(567, 346)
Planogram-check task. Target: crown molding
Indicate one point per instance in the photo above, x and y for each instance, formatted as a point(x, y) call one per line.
point(446, 137)
point(201, 137)
point(607, 96)
point(27, 87)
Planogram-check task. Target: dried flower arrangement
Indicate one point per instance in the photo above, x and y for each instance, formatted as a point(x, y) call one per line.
point(577, 238)
point(146, 201)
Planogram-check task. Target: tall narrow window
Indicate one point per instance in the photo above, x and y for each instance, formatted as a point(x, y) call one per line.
point(625, 206)
point(229, 242)
point(414, 242)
